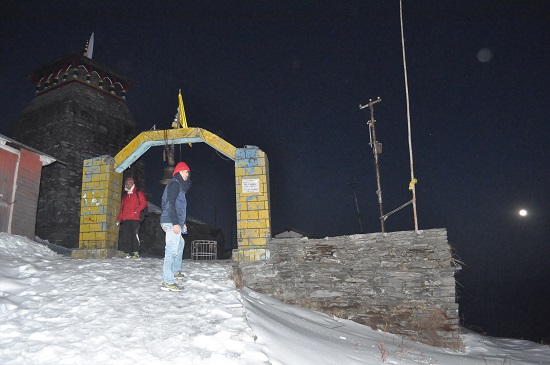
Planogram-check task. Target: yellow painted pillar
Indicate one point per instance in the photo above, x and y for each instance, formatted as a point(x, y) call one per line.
point(100, 201)
point(253, 205)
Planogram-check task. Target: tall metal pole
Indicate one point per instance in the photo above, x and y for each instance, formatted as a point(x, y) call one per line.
point(376, 150)
point(353, 185)
point(413, 180)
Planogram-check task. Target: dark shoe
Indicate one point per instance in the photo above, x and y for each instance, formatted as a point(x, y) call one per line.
point(179, 275)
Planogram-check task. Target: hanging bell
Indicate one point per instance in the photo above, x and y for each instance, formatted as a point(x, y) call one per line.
point(168, 154)
point(168, 174)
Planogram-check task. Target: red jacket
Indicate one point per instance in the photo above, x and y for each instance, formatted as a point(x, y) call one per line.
point(131, 205)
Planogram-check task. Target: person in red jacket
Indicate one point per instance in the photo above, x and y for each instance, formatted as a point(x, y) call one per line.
point(133, 202)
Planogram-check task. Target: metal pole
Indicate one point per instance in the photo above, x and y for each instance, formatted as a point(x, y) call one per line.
point(376, 150)
point(413, 180)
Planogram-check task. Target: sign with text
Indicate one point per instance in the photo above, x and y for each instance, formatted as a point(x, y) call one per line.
point(251, 186)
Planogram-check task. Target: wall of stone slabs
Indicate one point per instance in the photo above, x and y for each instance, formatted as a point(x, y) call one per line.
point(399, 282)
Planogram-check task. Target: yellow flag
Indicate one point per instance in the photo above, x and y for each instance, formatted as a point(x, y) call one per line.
point(183, 120)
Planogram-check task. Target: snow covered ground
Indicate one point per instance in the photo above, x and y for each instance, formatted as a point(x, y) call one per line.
point(57, 310)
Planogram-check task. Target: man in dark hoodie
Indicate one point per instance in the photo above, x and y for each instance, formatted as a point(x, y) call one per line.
point(172, 221)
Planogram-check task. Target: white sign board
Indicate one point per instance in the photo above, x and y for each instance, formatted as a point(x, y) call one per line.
point(251, 186)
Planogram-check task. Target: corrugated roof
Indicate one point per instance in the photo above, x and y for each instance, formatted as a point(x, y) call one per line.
point(46, 159)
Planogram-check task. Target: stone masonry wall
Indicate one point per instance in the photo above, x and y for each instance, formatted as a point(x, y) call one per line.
point(399, 282)
point(72, 122)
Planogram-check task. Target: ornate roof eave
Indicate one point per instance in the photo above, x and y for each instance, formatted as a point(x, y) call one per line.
point(75, 60)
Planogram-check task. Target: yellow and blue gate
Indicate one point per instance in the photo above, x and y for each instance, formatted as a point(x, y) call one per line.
point(102, 187)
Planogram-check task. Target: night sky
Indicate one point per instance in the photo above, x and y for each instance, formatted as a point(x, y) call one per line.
point(289, 76)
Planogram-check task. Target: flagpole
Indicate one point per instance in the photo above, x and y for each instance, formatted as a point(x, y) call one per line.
point(413, 180)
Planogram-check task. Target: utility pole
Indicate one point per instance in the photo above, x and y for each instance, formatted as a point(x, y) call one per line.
point(353, 185)
point(376, 150)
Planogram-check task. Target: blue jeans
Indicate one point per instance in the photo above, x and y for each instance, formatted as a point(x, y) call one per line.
point(173, 253)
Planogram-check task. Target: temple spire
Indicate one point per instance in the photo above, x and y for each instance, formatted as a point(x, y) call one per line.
point(89, 50)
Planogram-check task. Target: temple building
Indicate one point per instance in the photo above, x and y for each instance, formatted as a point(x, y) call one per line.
point(79, 111)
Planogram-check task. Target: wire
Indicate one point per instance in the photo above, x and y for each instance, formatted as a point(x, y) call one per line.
point(385, 216)
point(220, 156)
point(215, 150)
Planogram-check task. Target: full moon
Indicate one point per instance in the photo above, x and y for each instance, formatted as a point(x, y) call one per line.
point(523, 212)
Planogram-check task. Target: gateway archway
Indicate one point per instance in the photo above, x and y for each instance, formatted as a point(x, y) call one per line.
point(102, 185)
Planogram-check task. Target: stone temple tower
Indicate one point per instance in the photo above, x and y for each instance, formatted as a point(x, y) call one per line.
point(79, 112)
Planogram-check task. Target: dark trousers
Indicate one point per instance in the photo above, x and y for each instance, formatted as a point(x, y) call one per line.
point(129, 240)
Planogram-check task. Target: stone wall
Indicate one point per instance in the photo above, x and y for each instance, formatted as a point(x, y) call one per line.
point(400, 282)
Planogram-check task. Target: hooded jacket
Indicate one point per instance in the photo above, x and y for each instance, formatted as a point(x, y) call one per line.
point(174, 201)
point(131, 205)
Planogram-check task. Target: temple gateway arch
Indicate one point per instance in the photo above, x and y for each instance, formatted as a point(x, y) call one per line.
point(102, 186)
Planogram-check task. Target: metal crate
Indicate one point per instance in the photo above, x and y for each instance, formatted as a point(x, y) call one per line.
point(204, 250)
